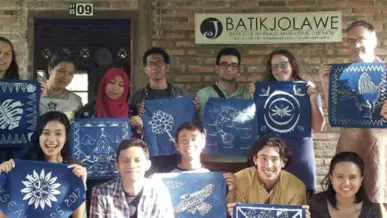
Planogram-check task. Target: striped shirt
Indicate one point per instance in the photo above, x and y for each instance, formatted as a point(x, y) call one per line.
point(110, 201)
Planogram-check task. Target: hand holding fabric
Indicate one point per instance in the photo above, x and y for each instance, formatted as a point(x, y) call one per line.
point(312, 92)
point(230, 208)
point(307, 212)
point(383, 112)
point(140, 108)
point(7, 166)
point(79, 171)
point(230, 181)
point(197, 103)
point(251, 88)
point(324, 71)
point(136, 121)
point(43, 86)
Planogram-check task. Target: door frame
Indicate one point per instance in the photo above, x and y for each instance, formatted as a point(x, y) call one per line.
point(62, 14)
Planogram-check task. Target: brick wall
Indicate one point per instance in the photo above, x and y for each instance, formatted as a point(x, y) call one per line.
point(192, 65)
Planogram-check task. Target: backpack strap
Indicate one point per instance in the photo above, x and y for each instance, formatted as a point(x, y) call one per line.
point(217, 90)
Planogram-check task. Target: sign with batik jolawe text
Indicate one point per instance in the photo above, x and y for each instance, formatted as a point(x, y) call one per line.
point(268, 28)
point(40, 189)
point(19, 111)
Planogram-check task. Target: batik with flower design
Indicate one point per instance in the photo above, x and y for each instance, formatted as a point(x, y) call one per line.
point(40, 189)
point(161, 119)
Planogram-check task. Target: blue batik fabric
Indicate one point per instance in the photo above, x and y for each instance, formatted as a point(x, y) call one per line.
point(231, 126)
point(283, 109)
point(197, 194)
point(19, 111)
point(40, 189)
point(161, 119)
point(356, 95)
point(268, 211)
point(95, 141)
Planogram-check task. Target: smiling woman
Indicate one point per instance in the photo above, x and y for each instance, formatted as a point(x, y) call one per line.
point(8, 65)
point(112, 100)
point(111, 103)
point(61, 72)
point(282, 66)
point(344, 194)
point(50, 142)
point(8, 70)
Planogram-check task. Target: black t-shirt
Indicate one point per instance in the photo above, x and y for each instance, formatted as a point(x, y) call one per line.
point(158, 93)
point(133, 202)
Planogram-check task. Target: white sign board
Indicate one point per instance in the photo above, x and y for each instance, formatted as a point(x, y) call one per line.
point(268, 28)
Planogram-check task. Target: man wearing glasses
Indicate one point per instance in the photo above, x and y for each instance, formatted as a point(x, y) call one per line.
point(370, 144)
point(156, 65)
point(227, 68)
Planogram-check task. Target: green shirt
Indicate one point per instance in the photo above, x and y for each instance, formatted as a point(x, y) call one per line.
point(208, 92)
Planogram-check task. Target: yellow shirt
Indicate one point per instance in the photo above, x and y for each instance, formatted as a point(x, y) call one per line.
point(288, 190)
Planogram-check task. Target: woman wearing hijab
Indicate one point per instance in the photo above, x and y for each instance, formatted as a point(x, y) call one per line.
point(112, 100)
point(111, 103)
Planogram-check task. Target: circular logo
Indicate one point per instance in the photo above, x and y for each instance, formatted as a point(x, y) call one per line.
point(211, 28)
point(282, 112)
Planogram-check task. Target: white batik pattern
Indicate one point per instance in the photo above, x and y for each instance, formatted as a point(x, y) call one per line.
point(40, 190)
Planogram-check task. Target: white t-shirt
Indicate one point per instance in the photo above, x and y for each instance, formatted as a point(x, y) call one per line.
point(67, 102)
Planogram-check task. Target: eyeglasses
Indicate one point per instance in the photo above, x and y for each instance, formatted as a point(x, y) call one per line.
point(225, 65)
point(356, 41)
point(283, 65)
point(155, 64)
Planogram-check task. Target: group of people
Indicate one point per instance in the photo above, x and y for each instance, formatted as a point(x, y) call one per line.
point(276, 171)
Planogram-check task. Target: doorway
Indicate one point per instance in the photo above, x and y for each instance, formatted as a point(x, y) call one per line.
point(95, 44)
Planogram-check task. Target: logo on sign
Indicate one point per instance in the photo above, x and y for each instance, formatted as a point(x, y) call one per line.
point(211, 28)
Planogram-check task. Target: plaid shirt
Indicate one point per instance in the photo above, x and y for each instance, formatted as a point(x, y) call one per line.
point(108, 201)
